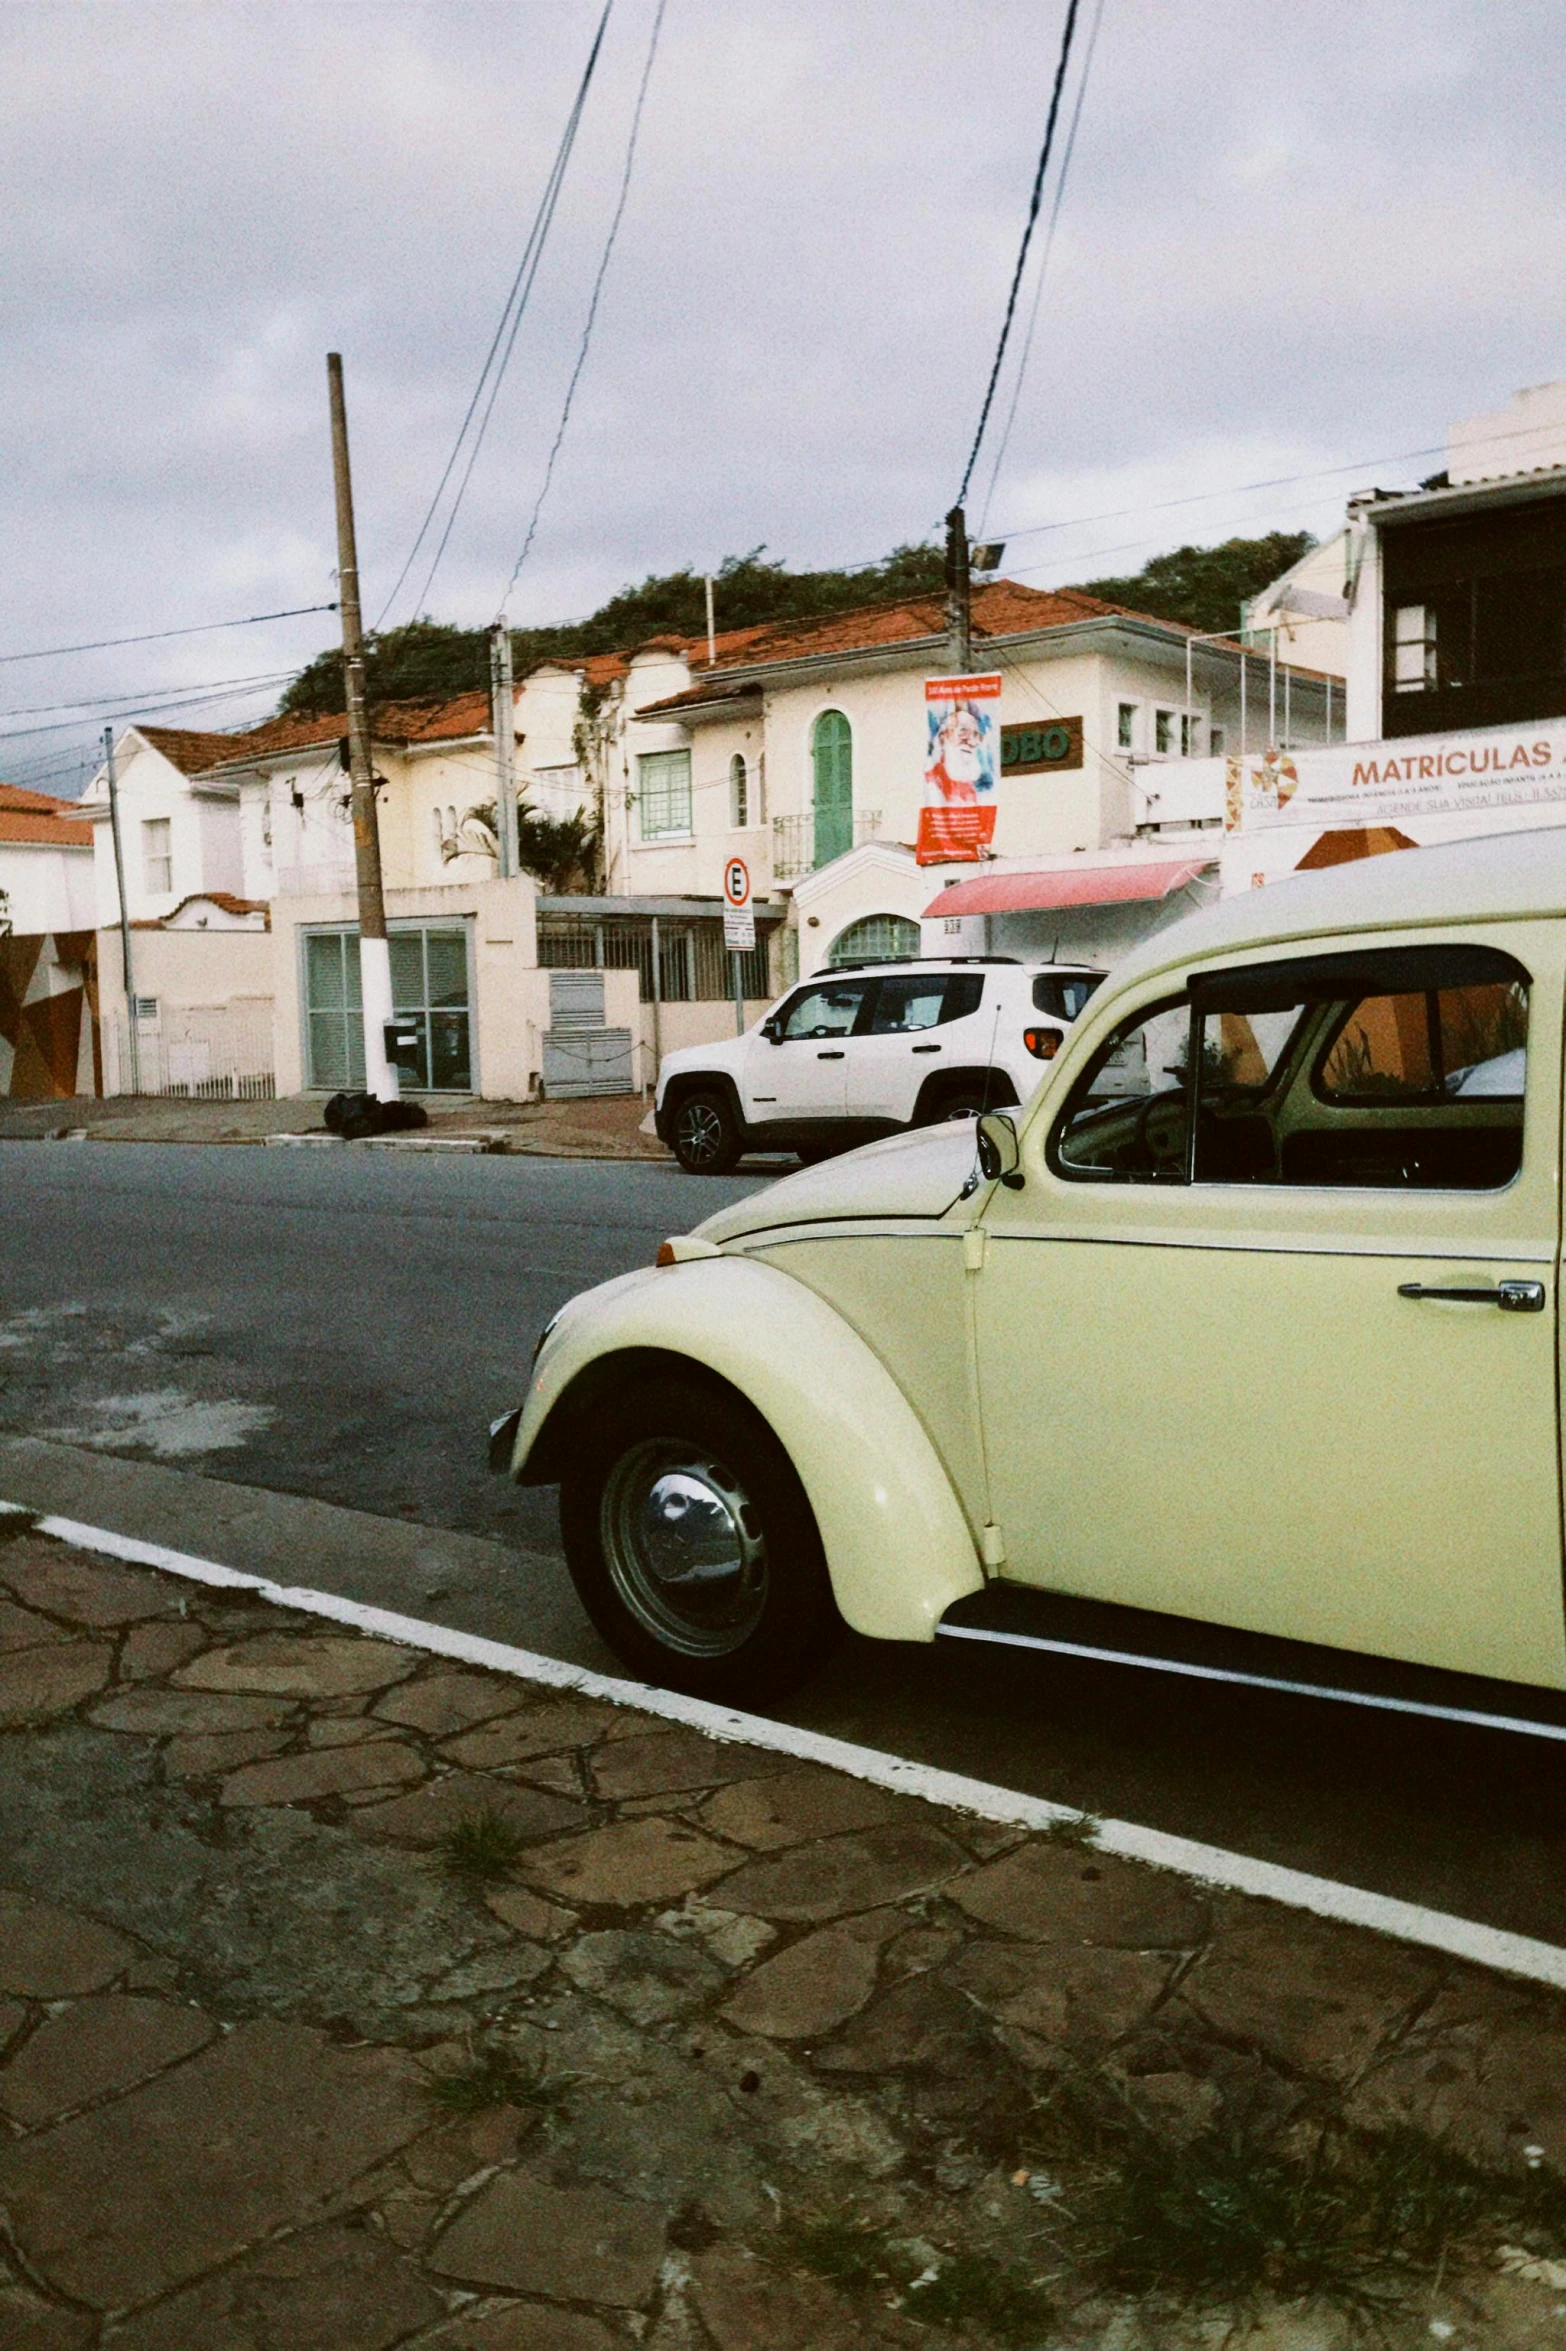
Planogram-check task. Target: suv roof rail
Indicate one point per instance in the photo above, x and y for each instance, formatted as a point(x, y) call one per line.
point(872, 962)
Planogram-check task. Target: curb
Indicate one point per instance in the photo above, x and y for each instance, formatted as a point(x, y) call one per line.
point(1494, 1948)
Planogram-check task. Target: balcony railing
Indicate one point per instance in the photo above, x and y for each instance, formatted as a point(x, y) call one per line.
point(794, 841)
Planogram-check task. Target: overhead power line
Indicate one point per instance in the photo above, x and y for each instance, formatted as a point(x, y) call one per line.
point(498, 357)
point(200, 628)
point(1043, 270)
point(592, 307)
point(1282, 481)
point(1034, 201)
point(151, 705)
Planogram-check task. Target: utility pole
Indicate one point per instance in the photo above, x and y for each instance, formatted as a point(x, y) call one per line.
point(125, 937)
point(503, 700)
point(959, 630)
point(380, 1075)
point(712, 633)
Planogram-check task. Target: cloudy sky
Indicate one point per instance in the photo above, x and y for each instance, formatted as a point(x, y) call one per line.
point(1293, 239)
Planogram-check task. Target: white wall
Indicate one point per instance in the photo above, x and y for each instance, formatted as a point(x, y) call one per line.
point(1363, 685)
point(48, 888)
point(1529, 432)
point(510, 1007)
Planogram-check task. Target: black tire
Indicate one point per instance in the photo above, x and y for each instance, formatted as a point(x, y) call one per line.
point(742, 1615)
point(964, 1101)
point(705, 1132)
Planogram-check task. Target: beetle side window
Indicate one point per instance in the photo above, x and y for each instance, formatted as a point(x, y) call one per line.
point(1401, 1068)
point(1125, 1120)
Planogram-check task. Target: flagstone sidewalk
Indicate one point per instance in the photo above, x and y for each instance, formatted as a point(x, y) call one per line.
point(352, 1999)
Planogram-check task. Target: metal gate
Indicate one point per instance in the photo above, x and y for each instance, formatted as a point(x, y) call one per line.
point(581, 1056)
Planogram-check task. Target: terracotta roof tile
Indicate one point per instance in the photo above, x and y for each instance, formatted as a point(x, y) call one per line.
point(53, 832)
point(223, 898)
point(184, 748)
point(40, 820)
point(17, 801)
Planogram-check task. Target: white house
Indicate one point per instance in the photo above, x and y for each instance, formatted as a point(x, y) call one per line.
point(800, 748)
point(1454, 624)
point(46, 864)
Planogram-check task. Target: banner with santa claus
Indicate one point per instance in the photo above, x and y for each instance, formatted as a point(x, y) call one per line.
point(961, 768)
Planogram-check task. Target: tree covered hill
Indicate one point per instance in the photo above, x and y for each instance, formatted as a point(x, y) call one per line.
point(1205, 586)
point(1202, 586)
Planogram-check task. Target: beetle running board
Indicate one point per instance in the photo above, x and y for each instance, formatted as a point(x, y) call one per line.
point(1016, 1616)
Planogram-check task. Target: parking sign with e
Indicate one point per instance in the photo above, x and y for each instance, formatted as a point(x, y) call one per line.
point(736, 882)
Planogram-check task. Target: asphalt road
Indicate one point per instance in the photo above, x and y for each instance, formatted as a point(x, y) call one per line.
point(343, 1325)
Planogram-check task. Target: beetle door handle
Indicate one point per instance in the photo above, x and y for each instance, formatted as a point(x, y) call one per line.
point(927, 1048)
point(1511, 1297)
point(829, 1056)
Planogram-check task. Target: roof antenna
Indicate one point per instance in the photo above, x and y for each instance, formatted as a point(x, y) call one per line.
point(976, 1176)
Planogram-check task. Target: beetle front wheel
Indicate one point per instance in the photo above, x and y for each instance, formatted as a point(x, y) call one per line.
point(692, 1545)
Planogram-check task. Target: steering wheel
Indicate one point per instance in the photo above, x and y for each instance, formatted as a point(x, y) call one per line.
point(1165, 1154)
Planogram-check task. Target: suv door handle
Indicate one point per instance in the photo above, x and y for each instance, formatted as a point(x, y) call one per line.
point(927, 1048)
point(1511, 1297)
point(829, 1056)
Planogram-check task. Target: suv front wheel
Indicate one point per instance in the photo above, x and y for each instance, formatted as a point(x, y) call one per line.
point(707, 1138)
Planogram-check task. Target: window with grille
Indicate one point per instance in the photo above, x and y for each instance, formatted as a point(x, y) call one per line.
point(157, 854)
point(1125, 734)
point(693, 962)
point(888, 935)
point(429, 975)
point(663, 793)
point(739, 792)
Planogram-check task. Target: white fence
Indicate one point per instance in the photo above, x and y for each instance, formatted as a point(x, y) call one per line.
point(218, 1054)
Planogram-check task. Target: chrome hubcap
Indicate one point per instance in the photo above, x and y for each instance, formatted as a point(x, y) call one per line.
point(701, 1132)
point(684, 1548)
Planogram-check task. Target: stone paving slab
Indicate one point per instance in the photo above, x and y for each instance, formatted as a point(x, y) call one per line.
point(705, 2051)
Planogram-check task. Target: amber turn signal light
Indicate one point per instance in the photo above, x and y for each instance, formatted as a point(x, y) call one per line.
point(1043, 1044)
point(666, 1254)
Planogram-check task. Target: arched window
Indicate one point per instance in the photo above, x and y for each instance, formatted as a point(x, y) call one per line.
point(876, 935)
point(739, 793)
point(832, 756)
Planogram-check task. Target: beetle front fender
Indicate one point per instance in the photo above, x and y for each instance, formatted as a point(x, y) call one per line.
point(897, 1545)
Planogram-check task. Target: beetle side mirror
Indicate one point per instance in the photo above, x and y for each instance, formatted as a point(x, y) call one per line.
point(1000, 1153)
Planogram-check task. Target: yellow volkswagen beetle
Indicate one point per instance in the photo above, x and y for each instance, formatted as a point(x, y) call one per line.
point(1234, 1351)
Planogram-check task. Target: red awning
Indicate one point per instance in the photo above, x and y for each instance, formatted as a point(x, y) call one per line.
point(1072, 885)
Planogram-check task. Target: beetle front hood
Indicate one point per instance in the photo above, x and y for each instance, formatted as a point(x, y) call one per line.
point(919, 1174)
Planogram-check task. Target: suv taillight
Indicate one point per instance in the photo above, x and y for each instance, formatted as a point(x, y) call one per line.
point(1043, 1044)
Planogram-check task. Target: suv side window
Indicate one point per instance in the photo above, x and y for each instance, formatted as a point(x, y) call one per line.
point(825, 1009)
point(1402, 1067)
point(924, 1001)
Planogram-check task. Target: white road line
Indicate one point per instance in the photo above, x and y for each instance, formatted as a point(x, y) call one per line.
point(1209, 1865)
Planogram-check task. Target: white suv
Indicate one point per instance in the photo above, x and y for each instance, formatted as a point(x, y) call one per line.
point(866, 1049)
